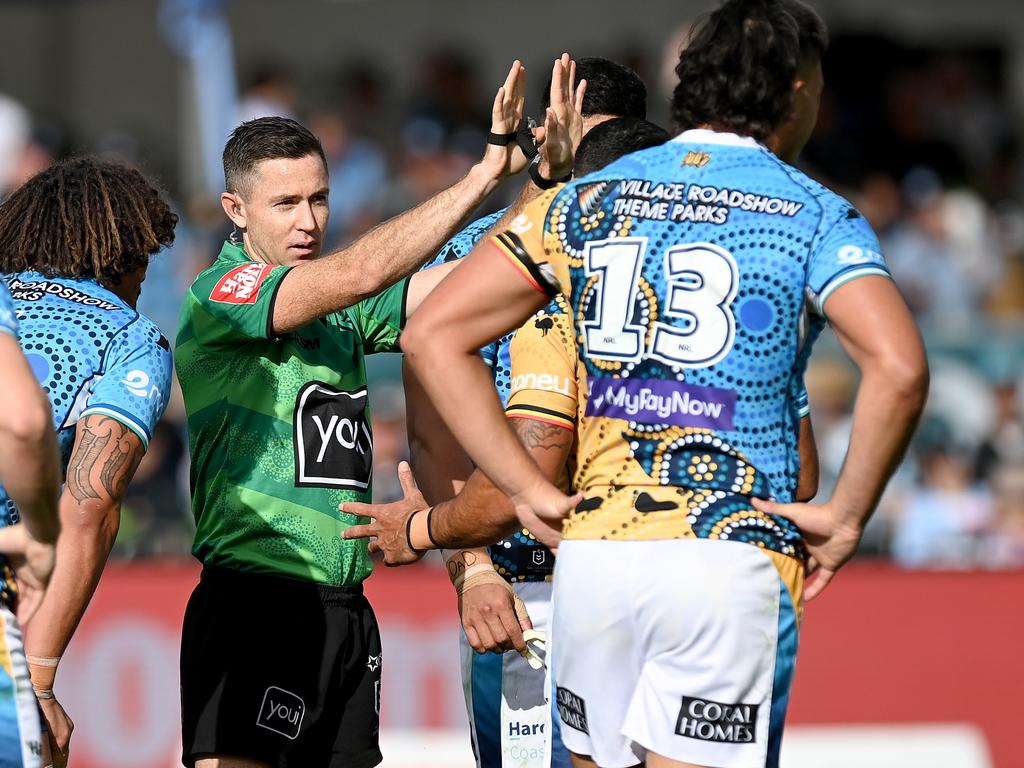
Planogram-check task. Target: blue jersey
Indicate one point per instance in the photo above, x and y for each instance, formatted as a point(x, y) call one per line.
point(519, 557)
point(698, 274)
point(8, 320)
point(92, 353)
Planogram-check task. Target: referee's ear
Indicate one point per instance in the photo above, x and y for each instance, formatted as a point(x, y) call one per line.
point(234, 207)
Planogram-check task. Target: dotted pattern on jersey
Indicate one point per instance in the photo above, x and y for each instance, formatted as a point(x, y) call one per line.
point(74, 333)
point(659, 202)
point(513, 556)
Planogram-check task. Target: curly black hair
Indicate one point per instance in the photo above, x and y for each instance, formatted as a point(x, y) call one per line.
point(612, 89)
point(84, 217)
point(736, 73)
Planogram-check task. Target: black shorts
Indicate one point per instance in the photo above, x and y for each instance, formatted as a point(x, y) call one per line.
point(279, 670)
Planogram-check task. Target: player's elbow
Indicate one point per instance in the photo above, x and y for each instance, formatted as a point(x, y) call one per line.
point(417, 342)
point(907, 377)
point(92, 524)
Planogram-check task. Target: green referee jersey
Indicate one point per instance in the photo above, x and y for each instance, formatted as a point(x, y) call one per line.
point(279, 427)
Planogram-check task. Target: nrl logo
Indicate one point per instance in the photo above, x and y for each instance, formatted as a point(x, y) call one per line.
point(697, 159)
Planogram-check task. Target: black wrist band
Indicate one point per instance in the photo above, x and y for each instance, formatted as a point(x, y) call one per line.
point(501, 139)
point(408, 534)
point(430, 528)
point(543, 183)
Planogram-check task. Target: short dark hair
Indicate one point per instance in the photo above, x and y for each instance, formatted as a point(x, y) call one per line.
point(265, 138)
point(736, 73)
point(84, 217)
point(612, 89)
point(608, 141)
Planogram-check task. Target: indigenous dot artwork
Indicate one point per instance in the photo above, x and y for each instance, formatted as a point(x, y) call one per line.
point(691, 286)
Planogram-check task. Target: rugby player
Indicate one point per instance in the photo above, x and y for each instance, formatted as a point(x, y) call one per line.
point(582, 94)
point(30, 483)
point(688, 268)
point(75, 242)
point(270, 356)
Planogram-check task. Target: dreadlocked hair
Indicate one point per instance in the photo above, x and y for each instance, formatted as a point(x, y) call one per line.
point(84, 217)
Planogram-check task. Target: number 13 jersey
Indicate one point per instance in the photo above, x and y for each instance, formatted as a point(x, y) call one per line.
point(698, 274)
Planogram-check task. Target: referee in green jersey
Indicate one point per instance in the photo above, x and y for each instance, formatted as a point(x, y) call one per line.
point(281, 655)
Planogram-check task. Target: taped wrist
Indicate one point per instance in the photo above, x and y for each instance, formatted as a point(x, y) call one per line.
point(43, 671)
point(484, 573)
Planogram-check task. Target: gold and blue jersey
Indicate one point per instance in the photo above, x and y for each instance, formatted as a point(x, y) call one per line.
point(697, 274)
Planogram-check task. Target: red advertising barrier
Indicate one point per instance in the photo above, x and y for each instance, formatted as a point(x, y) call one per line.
point(881, 646)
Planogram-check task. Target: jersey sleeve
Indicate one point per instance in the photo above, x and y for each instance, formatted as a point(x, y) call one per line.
point(532, 248)
point(849, 249)
point(136, 380)
point(239, 299)
point(543, 370)
point(8, 317)
point(381, 318)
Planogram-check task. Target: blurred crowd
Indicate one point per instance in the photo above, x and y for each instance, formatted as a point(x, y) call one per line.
point(923, 142)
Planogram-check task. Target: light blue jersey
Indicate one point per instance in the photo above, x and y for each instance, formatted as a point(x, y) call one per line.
point(698, 274)
point(8, 320)
point(92, 353)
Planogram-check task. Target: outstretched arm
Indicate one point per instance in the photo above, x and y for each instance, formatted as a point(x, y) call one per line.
point(481, 514)
point(395, 248)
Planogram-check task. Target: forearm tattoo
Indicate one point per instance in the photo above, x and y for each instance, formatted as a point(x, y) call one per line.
point(104, 459)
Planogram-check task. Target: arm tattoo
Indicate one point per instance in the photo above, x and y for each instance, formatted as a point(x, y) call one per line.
point(104, 459)
point(81, 463)
point(537, 434)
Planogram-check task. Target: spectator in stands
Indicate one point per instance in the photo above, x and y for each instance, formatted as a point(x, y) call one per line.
point(944, 519)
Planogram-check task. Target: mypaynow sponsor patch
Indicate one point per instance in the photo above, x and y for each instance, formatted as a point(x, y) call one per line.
point(655, 401)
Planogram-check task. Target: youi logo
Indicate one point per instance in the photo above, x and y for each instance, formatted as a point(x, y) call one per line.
point(656, 401)
point(282, 712)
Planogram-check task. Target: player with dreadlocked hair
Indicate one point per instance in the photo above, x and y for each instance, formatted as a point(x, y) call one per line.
point(84, 218)
point(75, 242)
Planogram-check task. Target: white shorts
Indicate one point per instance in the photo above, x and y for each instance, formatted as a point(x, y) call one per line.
point(509, 702)
point(682, 647)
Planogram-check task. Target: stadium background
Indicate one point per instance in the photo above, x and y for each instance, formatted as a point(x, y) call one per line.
point(912, 657)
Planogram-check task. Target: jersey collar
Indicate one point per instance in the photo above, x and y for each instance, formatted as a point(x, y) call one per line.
point(233, 252)
point(721, 138)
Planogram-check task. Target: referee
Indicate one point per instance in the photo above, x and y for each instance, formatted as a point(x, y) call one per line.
point(281, 655)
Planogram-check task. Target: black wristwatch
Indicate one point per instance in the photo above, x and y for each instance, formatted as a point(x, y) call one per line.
point(540, 181)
